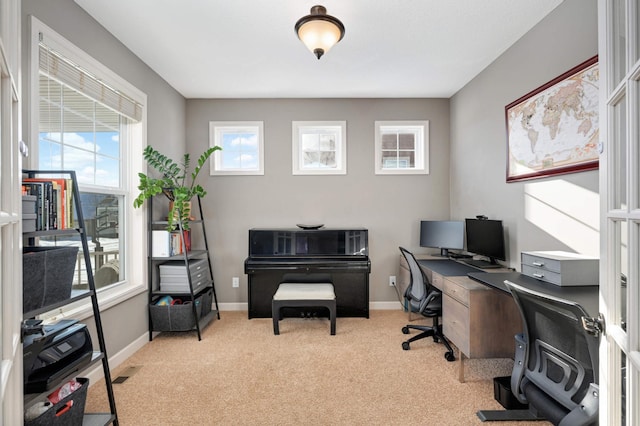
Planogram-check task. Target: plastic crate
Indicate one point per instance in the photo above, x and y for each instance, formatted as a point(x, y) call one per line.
point(69, 411)
point(47, 275)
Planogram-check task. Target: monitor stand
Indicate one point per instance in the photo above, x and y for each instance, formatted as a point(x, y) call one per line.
point(483, 264)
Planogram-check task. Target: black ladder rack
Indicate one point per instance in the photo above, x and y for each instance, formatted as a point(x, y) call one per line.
point(194, 289)
point(101, 355)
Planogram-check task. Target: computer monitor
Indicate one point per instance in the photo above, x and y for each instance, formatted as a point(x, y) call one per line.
point(442, 234)
point(486, 238)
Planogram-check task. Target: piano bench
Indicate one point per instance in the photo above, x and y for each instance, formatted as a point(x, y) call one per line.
point(305, 295)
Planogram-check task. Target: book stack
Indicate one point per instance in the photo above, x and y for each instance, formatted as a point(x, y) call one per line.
point(53, 202)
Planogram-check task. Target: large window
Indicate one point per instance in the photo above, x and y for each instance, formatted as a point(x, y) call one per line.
point(91, 121)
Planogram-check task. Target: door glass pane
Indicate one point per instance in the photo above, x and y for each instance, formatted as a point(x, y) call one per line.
point(622, 240)
point(635, 161)
point(619, 41)
point(623, 388)
point(636, 54)
point(620, 155)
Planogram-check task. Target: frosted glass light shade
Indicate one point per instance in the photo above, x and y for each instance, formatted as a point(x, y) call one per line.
point(319, 31)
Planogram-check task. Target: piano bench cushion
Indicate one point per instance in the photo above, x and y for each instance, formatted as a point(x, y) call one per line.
point(303, 295)
point(304, 291)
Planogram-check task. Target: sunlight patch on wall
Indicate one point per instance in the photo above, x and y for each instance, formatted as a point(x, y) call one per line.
point(568, 212)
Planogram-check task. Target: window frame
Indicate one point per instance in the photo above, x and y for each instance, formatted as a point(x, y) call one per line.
point(132, 163)
point(338, 128)
point(218, 129)
point(420, 128)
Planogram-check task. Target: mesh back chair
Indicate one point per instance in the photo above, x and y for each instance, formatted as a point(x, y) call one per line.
point(556, 360)
point(426, 300)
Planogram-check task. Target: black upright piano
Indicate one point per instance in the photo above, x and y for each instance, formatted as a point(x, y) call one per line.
point(309, 255)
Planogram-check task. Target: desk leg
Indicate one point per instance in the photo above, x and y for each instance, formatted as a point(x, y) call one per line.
point(461, 368)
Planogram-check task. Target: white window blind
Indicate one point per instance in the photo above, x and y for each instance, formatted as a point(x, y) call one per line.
point(57, 67)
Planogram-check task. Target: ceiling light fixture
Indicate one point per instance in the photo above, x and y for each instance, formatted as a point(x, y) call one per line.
point(319, 31)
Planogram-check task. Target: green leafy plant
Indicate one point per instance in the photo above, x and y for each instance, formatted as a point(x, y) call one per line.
point(177, 183)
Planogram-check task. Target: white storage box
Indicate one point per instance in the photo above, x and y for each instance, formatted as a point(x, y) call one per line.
point(561, 268)
point(161, 244)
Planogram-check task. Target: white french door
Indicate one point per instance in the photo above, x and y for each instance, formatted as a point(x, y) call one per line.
point(10, 215)
point(619, 58)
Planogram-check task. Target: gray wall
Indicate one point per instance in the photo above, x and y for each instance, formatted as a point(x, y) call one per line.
point(467, 157)
point(389, 206)
point(165, 117)
point(558, 213)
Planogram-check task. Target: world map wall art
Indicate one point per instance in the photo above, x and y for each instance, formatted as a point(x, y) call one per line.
point(554, 129)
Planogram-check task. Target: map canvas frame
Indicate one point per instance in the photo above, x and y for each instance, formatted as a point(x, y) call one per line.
point(554, 128)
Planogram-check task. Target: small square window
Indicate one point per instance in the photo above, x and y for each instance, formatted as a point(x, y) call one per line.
point(319, 147)
point(402, 147)
point(242, 147)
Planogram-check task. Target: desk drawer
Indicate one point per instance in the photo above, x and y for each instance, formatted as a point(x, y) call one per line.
point(455, 323)
point(541, 263)
point(542, 274)
point(456, 291)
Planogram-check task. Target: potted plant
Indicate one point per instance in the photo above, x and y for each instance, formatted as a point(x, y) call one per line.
point(176, 182)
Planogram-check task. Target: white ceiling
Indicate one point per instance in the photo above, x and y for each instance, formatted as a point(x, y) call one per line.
point(248, 48)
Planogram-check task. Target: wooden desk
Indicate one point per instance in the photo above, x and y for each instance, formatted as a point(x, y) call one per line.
point(585, 296)
point(480, 321)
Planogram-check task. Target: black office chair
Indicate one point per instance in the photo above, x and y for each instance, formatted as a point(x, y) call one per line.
point(556, 361)
point(426, 300)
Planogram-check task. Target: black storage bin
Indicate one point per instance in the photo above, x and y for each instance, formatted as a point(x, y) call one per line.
point(175, 317)
point(502, 393)
point(69, 411)
point(47, 275)
point(207, 299)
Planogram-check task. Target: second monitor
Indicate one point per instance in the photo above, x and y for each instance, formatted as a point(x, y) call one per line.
point(442, 234)
point(485, 238)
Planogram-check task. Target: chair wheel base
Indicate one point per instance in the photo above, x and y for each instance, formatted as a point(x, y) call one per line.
point(449, 356)
point(405, 330)
point(405, 346)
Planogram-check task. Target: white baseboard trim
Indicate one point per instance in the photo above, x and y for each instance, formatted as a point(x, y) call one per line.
point(239, 306)
point(97, 373)
point(388, 306)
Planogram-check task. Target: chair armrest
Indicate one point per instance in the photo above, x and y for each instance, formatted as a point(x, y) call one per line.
point(431, 297)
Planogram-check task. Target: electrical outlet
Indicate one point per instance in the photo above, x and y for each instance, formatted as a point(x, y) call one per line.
point(235, 282)
point(392, 281)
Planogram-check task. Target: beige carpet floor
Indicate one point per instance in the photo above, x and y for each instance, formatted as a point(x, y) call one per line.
point(242, 374)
